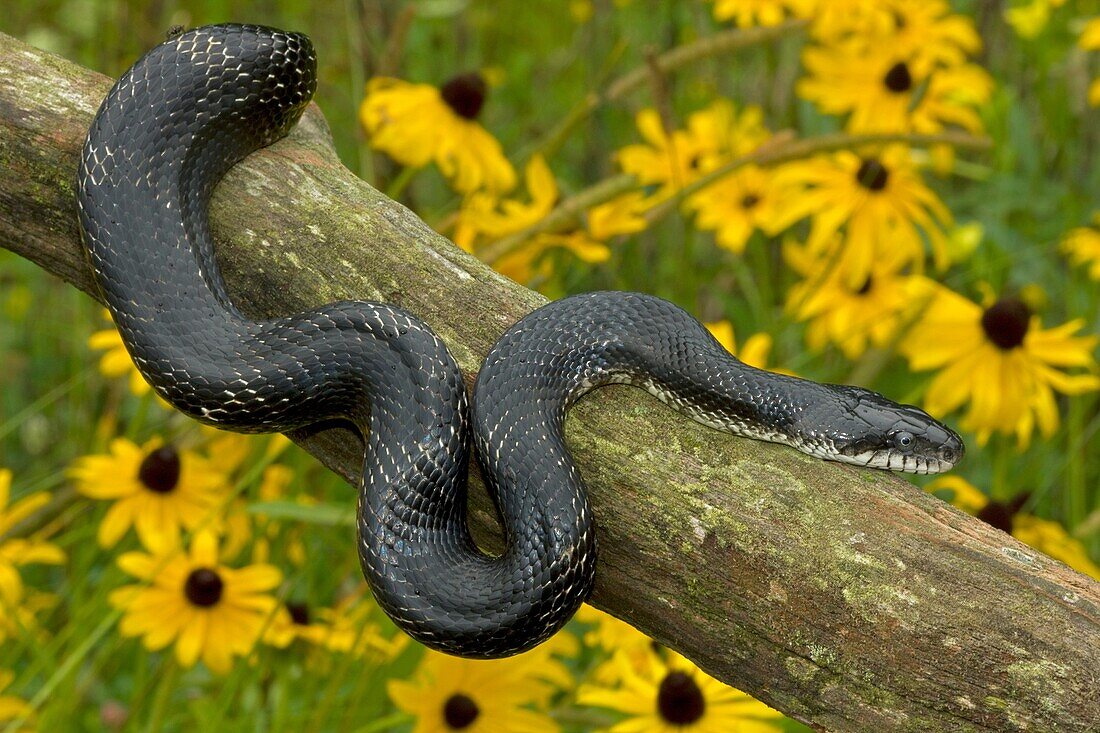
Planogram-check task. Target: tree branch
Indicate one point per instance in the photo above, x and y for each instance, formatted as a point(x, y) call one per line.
point(849, 599)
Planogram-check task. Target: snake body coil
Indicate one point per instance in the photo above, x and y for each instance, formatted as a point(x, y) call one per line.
point(166, 133)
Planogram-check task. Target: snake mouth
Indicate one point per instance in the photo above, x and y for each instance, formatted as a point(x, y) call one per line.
point(887, 460)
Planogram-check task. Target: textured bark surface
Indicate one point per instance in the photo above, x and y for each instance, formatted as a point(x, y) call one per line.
point(848, 599)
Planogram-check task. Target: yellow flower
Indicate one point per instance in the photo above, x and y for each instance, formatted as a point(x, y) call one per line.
point(352, 629)
point(928, 29)
point(156, 488)
point(671, 159)
point(614, 637)
point(1000, 361)
point(881, 202)
point(608, 632)
point(747, 13)
point(295, 620)
point(755, 350)
point(450, 694)
point(1083, 246)
point(1051, 539)
point(16, 551)
point(483, 218)
point(1048, 537)
point(739, 204)
point(924, 31)
point(11, 707)
point(116, 361)
point(210, 611)
point(416, 124)
point(836, 20)
point(853, 317)
point(886, 90)
point(1090, 41)
point(1030, 19)
point(672, 695)
point(19, 613)
point(667, 158)
point(621, 215)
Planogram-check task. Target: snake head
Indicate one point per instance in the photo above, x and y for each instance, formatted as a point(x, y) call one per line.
point(880, 433)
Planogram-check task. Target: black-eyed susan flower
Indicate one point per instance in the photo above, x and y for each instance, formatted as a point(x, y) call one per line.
point(19, 613)
point(671, 695)
point(18, 551)
point(925, 31)
point(853, 316)
point(612, 636)
point(748, 13)
point(882, 89)
point(1030, 18)
point(739, 204)
point(208, 610)
point(353, 629)
point(1044, 535)
point(451, 694)
point(669, 159)
point(1082, 245)
point(485, 218)
point(607, 632)
point(754, 351)
point(1000, 362)
point(837, 20)
point(115, 361)
point(156, 488)
point(416, 124)
point(928, 29)
point(879, 201)
point(13, 708)
point(1090, 41)
point(297, 621)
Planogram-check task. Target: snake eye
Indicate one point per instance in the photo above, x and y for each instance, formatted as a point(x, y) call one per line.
point(903, 439)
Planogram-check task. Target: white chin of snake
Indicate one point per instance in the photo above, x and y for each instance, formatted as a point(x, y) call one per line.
point(894, 462)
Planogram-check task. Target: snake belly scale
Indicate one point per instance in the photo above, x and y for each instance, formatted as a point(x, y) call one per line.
point(193, 106)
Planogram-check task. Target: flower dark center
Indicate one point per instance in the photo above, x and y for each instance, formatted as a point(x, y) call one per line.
point(465, 94)
point(299, 613)
point(997, 514)
point(872, 174)
point(204, 587)
point(459, 711)
point(1005, 322)
point(749, 200)
point(160, 470)
point(898, 79)
point(1000, 514)
point(679, 699)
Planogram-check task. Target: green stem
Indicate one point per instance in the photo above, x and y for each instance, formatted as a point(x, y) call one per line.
point(397, 185)
point(162, 695)
point(568, 211)
point(65, 669)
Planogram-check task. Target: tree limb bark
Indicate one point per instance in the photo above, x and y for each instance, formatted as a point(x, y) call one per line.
point(849, 599)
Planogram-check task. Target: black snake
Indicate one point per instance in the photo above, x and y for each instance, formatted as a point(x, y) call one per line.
point(198, 103)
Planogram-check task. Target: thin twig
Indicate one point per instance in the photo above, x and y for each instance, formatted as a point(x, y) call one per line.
point(717, 44)
point(569, 210)
point(714, 45)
